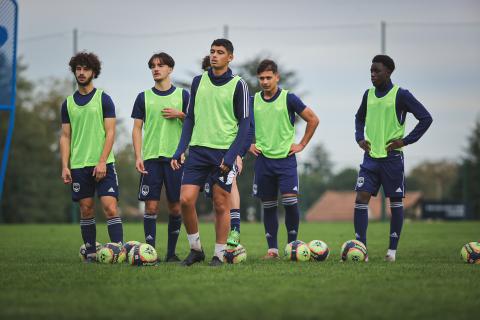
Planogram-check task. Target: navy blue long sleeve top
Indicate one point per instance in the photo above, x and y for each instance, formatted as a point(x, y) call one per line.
point(240, 107)
point(405, 102)
point(251, 131)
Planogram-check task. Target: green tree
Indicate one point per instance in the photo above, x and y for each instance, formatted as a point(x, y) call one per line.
point(315, 175)
point(435, 179)
point(33, 191)
point(343, 180)
point(468, 182)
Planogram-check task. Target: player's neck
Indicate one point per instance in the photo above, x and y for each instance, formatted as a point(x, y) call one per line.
point(84, 90)
point(219, 71)
point(270, 94)
point(385, 85)
point(163, 85)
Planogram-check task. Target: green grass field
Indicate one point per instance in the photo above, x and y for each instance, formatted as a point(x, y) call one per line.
point(41, 277)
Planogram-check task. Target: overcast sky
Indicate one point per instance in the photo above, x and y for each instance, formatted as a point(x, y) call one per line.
point(435, 44)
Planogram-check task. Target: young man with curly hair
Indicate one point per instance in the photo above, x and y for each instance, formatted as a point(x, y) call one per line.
point(86, 141)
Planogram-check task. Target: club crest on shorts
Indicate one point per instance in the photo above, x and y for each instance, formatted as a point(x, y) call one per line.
point(230, 177)
point(76, 187)
point(145, 190)
point(207, 187)
point(360, 181)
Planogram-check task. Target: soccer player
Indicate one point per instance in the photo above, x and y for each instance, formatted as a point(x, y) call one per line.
point(86, 141)
point(379, 131)
point(233, 239)
point(215, 128)
point(160, 111)
point(275, 149)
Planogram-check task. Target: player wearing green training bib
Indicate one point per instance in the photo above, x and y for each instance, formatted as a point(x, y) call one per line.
point(275, 148)
point(160, 111)
point(88, 133)
point(214, 130)
point(380, 132)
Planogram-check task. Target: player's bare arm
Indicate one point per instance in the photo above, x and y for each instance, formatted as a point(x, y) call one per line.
point(100, 169)
point(65, 137)
point(137, 145)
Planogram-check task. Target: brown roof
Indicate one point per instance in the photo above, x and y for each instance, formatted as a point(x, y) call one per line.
point(338, 205)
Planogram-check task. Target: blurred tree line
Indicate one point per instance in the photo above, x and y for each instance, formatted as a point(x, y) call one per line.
point(34, 192)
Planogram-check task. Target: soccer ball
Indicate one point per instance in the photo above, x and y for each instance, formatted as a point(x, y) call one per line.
point(142, 255)
point(297, 251)
point(471, 252)
point(127, 246)
point(353, 250)
point(111, 253)
point(318, 250)
point(83, 250)
point(235, 255)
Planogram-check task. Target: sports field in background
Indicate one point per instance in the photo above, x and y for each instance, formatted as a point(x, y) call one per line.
point(41, 277)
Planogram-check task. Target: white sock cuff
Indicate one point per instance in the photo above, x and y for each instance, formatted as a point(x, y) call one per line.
point(391, 252)
point(396, 205)
point(219, 250)
point(274, 250)
point(87, 222)
point(289, 201)
point(361, 206)
point(114, 221)
point(270, 204)
point(150, 216)
point(234, 215)
point(194, 241)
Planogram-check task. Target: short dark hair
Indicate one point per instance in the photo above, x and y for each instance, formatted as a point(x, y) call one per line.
point(164, 58)
point(206, 63)
point(267, 65)
point(227, 44)
point(87, 59)
point(385, 60)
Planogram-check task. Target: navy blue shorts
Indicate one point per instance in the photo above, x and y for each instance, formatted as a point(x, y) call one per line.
point(160, 173)
point(84, 184)
point(388, 172)
point(202, 168)
point(272, 175)
point(208, 187)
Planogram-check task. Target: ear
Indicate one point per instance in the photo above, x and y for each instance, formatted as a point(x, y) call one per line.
point(230, 57)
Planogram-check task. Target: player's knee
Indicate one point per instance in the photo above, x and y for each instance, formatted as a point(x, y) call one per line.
point(87, 211)
point(186, 202)
point(110, 210)
point(151, 208)
point(221, 208)
point(174, 208)
point(221, 204)
point(362, 197)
